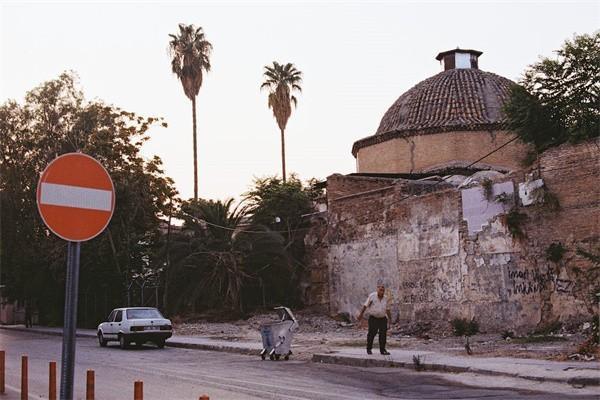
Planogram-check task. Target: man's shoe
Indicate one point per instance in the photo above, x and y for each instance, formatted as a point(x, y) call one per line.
point(369, 351)
point(385, 353)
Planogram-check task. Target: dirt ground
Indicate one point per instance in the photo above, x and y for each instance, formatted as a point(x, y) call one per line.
point(318, 333)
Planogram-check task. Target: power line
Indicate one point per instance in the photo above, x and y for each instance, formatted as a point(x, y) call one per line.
point(203, 221)
point(437, 183)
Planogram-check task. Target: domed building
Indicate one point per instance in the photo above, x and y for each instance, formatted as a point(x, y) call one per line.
point(431, 213)
point(445, 122)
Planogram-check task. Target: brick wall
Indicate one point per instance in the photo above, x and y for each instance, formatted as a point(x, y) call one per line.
point(437, 269)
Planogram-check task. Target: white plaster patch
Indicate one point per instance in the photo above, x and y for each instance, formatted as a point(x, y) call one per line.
point(357, 266)
point(478, 211)
point(527, 189)
point(497, 239)
point(420, 244)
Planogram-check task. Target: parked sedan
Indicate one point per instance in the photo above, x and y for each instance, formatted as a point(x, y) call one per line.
point(135, 325)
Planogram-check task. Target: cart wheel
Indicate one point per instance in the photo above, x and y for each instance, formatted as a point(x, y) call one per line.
point(263, 356)
point(287, 357)
point(271, 357)
point(277, 357)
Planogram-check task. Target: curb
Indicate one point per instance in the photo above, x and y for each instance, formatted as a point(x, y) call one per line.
point(437, 367)
point(183, 345)
point(214, 347)
point(349, 361)
point(46, 332)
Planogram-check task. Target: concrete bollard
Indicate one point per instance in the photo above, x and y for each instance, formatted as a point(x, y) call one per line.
point(138, 390)
point(24, 379)
point(2, 365)
point(52, 380)
point(90, 385)
point(204, 397)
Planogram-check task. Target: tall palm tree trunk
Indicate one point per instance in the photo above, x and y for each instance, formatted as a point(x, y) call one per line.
point(195, 149)
point(283, 154)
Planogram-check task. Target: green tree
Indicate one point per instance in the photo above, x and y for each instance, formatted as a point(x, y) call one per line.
point(558, 99)
point(281, 207)
point(190, 58)
point(56, 119)
point(281, 81)
point(214, 256)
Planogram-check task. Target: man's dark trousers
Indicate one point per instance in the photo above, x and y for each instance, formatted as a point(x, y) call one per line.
point(377, 325)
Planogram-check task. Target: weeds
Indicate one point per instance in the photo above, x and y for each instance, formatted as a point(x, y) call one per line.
point(555, 252)
point(546, 198)
point(539, 339)
point(548, 329)
point(488, 189)
point(514, 222)
point(505, 198)
point(529, 158)
point(508, 335)
point(418, 363)
point(466, 328)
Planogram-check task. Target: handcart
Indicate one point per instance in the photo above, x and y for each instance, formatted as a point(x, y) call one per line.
point(277, 336)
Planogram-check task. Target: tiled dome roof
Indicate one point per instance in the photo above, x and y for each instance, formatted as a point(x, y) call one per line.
point(455, 99)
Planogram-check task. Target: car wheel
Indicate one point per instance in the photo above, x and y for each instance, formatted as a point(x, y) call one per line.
point(101, 341)
point(123, 342)
point(160, 344)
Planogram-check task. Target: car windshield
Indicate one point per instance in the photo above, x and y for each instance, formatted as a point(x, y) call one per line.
point(143, 313)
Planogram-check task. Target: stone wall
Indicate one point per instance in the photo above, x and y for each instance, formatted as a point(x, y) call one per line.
point(424, 153)
point(446, 252)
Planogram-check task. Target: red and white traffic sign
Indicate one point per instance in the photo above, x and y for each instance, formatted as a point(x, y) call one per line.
point(76, 197)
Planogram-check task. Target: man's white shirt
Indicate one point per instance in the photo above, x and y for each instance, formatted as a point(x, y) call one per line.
point(377, 307)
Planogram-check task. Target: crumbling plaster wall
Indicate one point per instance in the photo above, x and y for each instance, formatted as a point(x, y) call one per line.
point(437, 267)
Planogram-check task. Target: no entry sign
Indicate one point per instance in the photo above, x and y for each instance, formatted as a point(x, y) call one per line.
point(75, 197)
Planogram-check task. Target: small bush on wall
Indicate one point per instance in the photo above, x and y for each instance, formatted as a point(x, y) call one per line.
point(555, 252)
point(514, 222)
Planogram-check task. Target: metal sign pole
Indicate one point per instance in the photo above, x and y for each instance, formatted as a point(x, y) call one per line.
point(70, 321)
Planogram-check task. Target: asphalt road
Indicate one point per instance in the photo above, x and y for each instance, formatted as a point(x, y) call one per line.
point(173, 373)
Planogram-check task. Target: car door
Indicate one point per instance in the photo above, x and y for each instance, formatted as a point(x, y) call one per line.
point(117, 323)
point(107, 328)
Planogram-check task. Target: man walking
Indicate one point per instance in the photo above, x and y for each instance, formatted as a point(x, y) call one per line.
point(378, 307)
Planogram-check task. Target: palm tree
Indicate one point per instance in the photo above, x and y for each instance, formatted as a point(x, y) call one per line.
point(218, 256)
point(190, 52)
point(281, 81)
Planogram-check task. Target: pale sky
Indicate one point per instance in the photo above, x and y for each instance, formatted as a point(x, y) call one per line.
point(357, 59)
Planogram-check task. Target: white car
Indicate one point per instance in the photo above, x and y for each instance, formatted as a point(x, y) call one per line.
point(135, 325)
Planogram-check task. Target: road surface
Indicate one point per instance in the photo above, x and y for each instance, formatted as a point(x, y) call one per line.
point(173, 373)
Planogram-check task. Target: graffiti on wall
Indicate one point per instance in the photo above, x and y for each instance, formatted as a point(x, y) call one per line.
point(530, 281)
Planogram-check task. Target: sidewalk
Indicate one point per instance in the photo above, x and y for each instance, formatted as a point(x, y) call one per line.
point(573, 373)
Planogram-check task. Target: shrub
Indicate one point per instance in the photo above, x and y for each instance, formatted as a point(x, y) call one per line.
point(508, 334)
point(555, 252)
point(514, 223)
point(549, 328)
point(464, 327)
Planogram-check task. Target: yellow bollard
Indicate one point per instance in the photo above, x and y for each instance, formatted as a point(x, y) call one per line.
point(90, 385)
point(138, 390)
point(52, 380)
point(24, 380)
